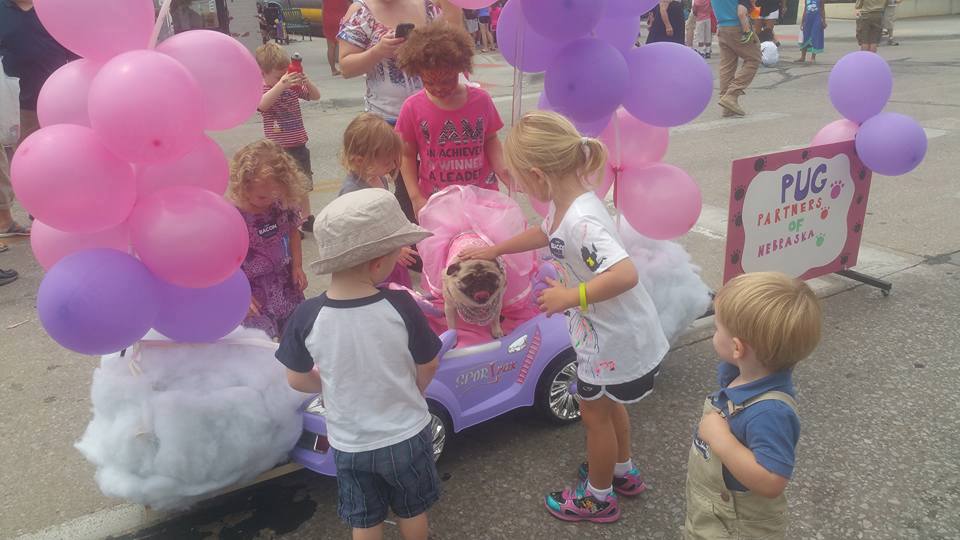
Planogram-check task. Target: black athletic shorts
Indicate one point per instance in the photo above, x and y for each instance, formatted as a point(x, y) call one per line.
point(627, 392)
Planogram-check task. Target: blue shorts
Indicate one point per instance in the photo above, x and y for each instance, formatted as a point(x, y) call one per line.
point(401, 477)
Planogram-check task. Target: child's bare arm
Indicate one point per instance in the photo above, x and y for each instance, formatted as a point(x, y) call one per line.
point(493, 150)
point(313, 93)
point(425, 373)
point(411, 179)
point(308, 382)
point(738, 459)
point(612, 282)
point(528, 240)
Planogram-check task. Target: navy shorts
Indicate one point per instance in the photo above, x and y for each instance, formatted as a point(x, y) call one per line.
point(401, 477)
point(301, 154)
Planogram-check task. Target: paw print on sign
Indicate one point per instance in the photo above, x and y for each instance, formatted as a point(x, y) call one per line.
point(738, 219)
point(735, 257)
point(739, 193)
point(820, 239)
point(836, 188)
point(857, 228)
point(759, 164)
point(825, 212)
point(844, 258)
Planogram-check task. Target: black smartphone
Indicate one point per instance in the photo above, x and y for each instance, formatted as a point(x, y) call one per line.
point(403, 30)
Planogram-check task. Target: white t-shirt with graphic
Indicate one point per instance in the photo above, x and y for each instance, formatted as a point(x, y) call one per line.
point(617, 340)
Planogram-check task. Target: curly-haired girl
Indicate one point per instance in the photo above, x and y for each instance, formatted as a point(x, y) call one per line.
point(266, 185)
point(450, 126)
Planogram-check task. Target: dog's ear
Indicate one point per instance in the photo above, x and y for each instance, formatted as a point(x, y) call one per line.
point(453, 269)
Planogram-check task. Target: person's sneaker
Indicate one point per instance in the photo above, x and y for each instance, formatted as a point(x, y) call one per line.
point(745, 37)
point(307, 225)
point(629, 485)
point(8, 276)
point(15, 229)
point(707, 56)
point(580, 505)
point(729, 102)
point(892, 42)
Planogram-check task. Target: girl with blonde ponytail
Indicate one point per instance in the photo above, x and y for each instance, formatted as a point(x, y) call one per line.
point(614, 327)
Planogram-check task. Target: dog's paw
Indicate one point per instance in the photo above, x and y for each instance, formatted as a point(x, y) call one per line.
point(497, 332)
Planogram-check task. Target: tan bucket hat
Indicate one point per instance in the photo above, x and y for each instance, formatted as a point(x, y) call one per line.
point(360, 226)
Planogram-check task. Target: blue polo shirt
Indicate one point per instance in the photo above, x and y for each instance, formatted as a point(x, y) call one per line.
point(28, 51)
point(770, 429)
point(726, 12)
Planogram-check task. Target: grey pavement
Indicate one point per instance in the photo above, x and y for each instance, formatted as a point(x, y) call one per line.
point(877, 459)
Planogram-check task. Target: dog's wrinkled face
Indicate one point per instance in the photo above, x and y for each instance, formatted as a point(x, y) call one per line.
point(477, 280)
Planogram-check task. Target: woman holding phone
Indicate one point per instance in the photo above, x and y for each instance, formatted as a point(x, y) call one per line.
point(368, 46)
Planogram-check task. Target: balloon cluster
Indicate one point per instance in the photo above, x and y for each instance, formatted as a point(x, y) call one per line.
point(586, 48)
point(126, 188)
point(860, 85)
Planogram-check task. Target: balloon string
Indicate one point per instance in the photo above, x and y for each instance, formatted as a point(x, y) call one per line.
point(161, 18)
point(618, 165)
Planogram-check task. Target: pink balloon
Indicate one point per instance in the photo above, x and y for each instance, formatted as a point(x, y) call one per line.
point(639, 142)
point(99, 29)
point(227, 73)
point(68, 179)
point(188, 236)
point(50, 245)
point(146, 106)
point(836, 131)
point(606, 182)
point(63, 98)
point(659, 200)
point(204, 167)
point(472, 4)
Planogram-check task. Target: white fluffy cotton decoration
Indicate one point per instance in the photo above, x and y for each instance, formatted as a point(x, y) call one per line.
point(174, 422)
point(672, 280)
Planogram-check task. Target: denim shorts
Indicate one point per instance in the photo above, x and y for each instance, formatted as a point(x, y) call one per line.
point(401, 477)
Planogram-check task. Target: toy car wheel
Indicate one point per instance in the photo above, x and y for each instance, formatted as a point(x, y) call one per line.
point(440, 427)
point(556, 397)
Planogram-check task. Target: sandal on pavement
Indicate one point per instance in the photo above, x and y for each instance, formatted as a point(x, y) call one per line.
point(8, 276)
point(15, 229)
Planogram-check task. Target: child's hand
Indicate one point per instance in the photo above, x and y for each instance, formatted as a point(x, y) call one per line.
point(713, 427)
point(299, 278)
point(254, 307)
point(824, 23)
point(292, 79)
point(408, 256)
point(486, 253)
point(557, 298)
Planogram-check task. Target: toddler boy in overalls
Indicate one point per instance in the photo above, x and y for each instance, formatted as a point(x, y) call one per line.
point(743, 452)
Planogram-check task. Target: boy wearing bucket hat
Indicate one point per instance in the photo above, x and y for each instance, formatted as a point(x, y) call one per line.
point(372, 354)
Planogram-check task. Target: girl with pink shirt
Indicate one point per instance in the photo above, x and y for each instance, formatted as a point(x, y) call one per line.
point(449, 126)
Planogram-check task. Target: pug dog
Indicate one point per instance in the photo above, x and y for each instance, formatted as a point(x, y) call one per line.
point(474, 290)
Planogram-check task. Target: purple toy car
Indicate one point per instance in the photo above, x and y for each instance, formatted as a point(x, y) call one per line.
point(532, 366)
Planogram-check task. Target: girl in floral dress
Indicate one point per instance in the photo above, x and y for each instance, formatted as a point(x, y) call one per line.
point(266, 185)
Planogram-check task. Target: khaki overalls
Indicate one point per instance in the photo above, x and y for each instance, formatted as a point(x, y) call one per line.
point(715, 512)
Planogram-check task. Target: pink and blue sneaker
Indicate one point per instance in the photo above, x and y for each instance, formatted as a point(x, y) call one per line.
point(581, 505)
point(629, 485)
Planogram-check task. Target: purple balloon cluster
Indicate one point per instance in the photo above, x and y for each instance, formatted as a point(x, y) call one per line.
point(126, 187)
point(860, 85)
point(586, 48)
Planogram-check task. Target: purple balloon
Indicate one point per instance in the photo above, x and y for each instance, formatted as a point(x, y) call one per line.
point(98, 301)
point(538, 51)
point(669, 84)
point(563, 20)
point(891, 144)
point(203, 315)
point(860, 85)
point(593, 128)
point(587, 80)
point(628, 8)
point(621, 32)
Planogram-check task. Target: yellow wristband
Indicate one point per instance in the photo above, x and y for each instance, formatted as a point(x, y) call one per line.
point(583, 297)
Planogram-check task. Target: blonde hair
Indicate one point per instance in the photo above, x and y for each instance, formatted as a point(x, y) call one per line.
point(271, 57)
point(549, 142)
point(778, 316)
point(368, 141)
point(264, 161)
